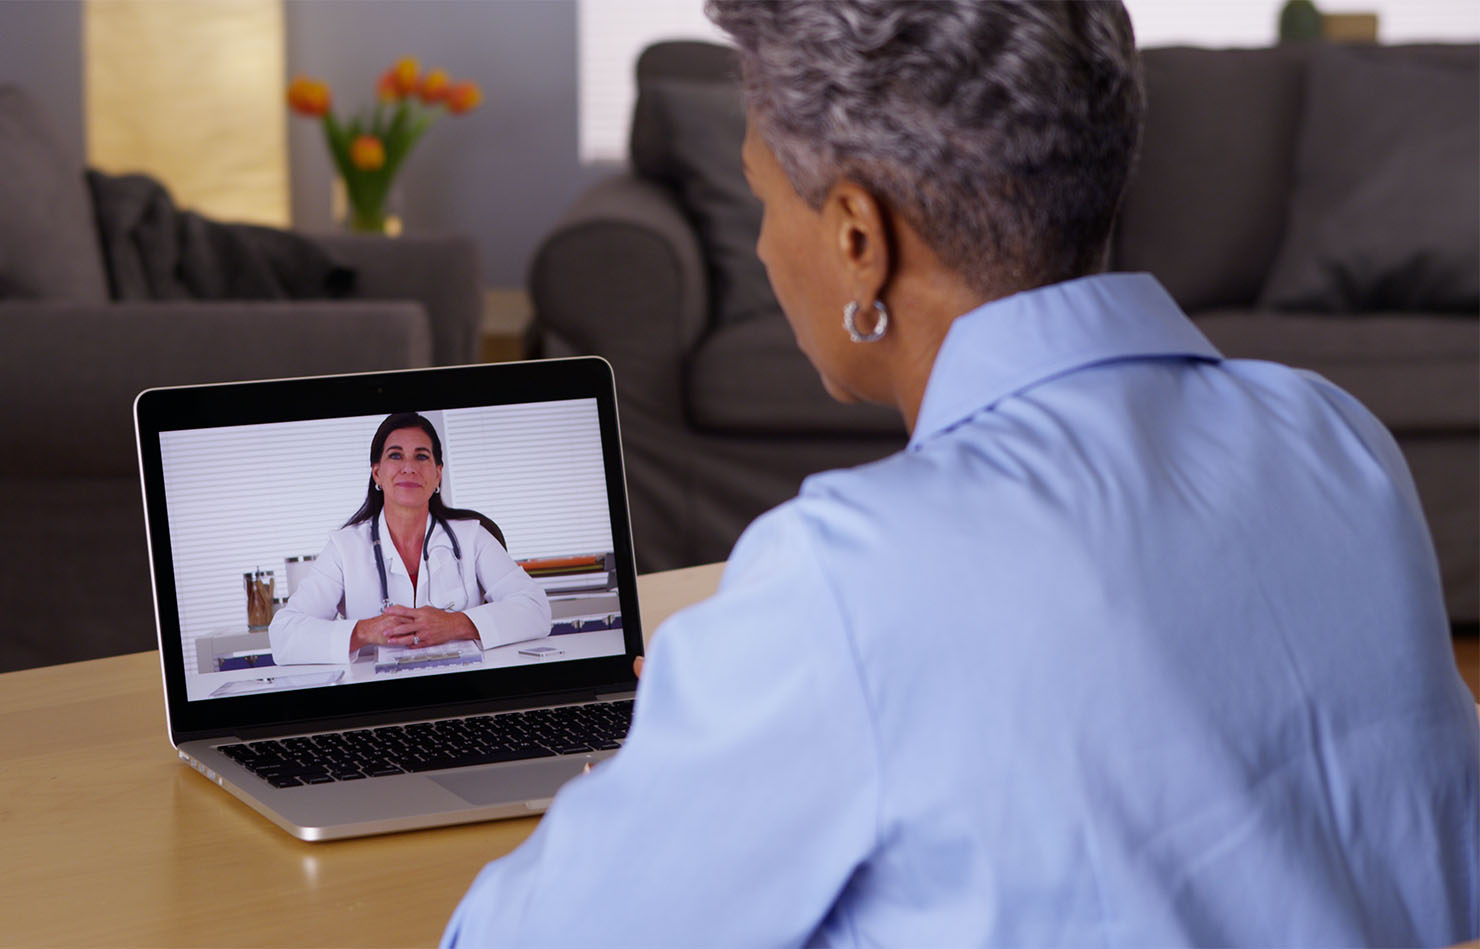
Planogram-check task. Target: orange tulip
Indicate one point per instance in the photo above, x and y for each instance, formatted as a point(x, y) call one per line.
point(367, 153)
point(308, 96)
point(434, 86)
point(463, 97)
point(385, 89)
point(405, 71)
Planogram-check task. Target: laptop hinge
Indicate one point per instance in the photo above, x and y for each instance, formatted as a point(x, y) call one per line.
point(376, 719)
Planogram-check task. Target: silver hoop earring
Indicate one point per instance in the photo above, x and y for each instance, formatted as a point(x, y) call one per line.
point(850, 313)
point(377, 487)
point(437, 489)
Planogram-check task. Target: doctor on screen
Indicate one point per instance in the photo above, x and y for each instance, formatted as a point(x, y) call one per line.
point(406, 570)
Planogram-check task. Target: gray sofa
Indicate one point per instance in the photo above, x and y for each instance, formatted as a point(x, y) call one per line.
point(76, 575)
point(1313, 205)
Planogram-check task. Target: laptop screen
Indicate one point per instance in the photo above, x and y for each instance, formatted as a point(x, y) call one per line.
point(261, 505)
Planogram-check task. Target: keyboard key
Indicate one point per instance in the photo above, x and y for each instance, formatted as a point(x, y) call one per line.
point(384, 770)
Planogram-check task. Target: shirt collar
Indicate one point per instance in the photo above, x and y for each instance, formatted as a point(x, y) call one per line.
point(1008, 345)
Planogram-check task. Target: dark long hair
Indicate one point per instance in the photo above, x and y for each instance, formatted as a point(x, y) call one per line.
point(375, 500)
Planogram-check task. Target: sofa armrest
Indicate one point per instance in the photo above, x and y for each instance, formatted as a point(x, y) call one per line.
point(622, 276)
point(439, 272)
point(69, 372)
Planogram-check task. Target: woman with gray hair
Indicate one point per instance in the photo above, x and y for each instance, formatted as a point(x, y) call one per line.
point(1131, 644)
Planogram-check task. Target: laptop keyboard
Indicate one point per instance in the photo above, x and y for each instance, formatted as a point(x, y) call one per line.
point(432, 746)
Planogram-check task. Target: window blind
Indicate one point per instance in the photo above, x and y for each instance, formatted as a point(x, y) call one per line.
point(611, 35)
point(537, 470)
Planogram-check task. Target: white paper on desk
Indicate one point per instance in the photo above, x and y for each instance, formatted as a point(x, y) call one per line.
point(414, 655)
point(306, 680)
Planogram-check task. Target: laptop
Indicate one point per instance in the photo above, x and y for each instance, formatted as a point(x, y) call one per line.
point(243, 485)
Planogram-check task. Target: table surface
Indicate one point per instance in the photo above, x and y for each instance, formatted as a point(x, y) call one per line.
point(110, 839)
point(1467, 656)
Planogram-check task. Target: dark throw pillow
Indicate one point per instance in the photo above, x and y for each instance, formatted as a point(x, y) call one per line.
point(687, 133)
point(1385, 215)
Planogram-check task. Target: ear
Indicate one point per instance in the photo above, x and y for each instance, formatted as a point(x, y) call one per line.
point(861, 226)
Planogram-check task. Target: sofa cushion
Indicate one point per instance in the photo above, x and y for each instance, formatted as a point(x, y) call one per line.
point(48, 245)
point(1205, 206)
point(751, 378)
point(687, 129)
point(1417, 372)
point(1383, 215)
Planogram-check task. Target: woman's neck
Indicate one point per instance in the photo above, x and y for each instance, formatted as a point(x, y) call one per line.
point(926, 296)
point(407, 526)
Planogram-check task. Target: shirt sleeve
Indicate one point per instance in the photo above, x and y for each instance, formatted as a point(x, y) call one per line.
point(744, 798)
point(306, 629)
point(514, 607)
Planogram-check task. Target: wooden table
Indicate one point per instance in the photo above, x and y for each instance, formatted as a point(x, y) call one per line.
point(107, 838)
point(1467, 656)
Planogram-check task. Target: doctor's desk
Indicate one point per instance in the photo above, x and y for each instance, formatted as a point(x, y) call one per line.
point(111, 839)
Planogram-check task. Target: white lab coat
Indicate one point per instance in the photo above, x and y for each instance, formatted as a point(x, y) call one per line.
point(343, 586)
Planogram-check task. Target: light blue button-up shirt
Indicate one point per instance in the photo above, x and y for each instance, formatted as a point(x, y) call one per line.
point(1132, 645)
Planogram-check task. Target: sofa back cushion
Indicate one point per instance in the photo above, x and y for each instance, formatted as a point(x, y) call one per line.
point(48, 244)
point(1383, 215)
point(687, 129)
point(1205, 207)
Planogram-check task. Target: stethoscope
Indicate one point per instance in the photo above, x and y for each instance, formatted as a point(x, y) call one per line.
point(385, 597)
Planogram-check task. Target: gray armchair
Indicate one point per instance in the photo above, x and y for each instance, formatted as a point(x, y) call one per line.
point(722, 417)
point(76, 575)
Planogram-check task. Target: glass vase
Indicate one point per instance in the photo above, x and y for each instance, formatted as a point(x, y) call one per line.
point(366, 215)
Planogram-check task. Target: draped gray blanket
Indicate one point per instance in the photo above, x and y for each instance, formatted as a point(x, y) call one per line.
point(156, 251)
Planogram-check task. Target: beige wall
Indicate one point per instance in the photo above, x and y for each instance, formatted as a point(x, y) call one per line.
point(191, 92)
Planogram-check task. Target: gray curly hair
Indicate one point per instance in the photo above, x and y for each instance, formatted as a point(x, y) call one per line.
point(1003, 132)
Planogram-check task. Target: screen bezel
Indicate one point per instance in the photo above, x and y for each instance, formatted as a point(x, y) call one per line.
point(287, 400)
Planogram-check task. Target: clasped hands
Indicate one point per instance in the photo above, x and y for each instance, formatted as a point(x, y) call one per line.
point(418, 628)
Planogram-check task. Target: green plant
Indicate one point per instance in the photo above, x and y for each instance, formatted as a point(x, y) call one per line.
point(1300, 22)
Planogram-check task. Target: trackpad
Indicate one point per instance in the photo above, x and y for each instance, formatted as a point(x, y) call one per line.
point(533, 780)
